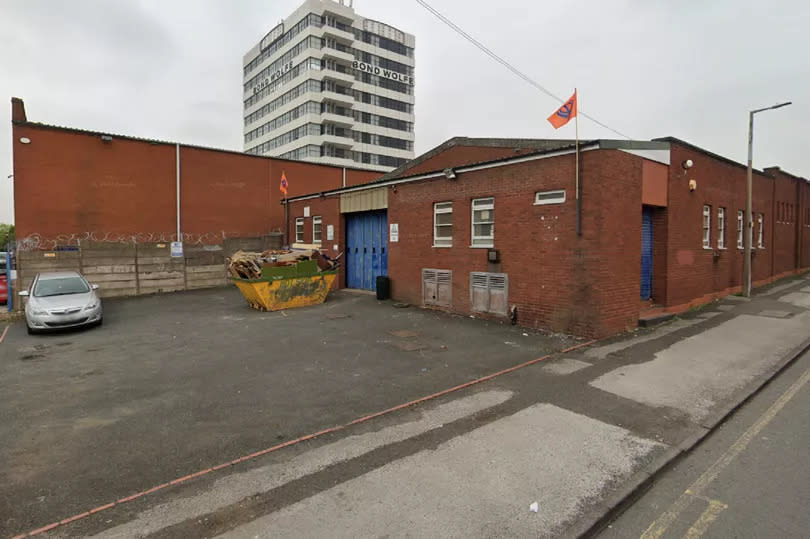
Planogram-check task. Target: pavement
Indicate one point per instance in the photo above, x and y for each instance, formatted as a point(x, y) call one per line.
point(175, 385)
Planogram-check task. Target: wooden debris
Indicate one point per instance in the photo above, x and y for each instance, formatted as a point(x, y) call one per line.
point(248, 265)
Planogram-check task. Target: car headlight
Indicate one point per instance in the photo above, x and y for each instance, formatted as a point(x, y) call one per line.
point(38, 311)
point(91, 306)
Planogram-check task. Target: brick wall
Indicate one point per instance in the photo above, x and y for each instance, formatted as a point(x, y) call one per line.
point(588, 285)
point(556, 279)
point(66, 184)
point(328, 208)
point(71, 185)
point(692, 271)
point(660, 255)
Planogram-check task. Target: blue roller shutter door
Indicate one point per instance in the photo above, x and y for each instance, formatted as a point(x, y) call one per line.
point(646, 253)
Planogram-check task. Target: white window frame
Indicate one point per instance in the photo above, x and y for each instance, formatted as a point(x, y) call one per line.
point(761, 231)
point(482, 204)
point(316, 220)
point(740, 225)
point(299, 230)
point(442, 208)
point(721, 228)
point(707, 226)
point(542, 198)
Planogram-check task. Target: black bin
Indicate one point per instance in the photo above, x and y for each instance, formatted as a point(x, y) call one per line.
point(383, 287)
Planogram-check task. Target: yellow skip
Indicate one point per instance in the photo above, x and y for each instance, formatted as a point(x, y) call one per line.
point(278, 294)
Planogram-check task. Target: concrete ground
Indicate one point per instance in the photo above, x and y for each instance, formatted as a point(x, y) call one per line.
point(750, 478)
point(575, 433)
point(175, 383)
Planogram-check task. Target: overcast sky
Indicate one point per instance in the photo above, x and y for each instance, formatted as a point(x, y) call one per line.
point(171, 70)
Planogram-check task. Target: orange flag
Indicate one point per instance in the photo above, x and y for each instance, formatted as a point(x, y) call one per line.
point(283, 186)
point(564, 113)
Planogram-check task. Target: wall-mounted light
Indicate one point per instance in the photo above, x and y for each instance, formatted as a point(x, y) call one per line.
point(692, 185)
point(393, 188)
point(687, 164)
point(106, 138)
point(450, 174)
point(25, 140)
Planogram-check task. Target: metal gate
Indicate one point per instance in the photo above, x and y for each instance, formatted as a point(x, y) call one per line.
point(646, 252)
point(366, 248)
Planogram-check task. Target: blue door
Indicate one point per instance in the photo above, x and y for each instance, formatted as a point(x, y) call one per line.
point(646, 252)
point(367, 248)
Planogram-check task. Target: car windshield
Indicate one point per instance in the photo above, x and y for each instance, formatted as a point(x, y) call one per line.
point(60, 286)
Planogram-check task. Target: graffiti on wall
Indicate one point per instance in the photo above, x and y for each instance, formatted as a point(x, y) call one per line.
point(36, 242)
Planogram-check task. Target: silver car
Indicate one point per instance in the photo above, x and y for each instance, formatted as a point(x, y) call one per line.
point(61, 300)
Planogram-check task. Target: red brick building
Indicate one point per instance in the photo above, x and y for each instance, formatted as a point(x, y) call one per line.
point(497, 228)
point(71, 184)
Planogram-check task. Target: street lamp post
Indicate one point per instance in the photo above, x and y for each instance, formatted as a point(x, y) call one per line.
point(749, 222)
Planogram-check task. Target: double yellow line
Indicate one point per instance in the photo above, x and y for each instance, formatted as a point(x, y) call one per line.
point(696, 489)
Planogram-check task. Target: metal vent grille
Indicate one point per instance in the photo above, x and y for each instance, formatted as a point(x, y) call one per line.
point(488, 292)
point(437, 287)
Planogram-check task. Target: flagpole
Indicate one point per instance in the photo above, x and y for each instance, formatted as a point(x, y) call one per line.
point(286, 213)
point(576, 146)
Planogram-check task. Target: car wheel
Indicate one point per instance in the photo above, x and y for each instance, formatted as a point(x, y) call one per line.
point(31, 331)
point(100, 321)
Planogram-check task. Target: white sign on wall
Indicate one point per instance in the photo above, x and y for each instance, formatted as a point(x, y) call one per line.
point(393, 235)
point(382, 72)
point(330, 232)
point(306, 211)
point(177, 249)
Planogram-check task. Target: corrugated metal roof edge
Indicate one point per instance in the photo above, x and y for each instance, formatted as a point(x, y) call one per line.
point(376, 184)
point(39, 125)
point(605, 144)
point(470, 142)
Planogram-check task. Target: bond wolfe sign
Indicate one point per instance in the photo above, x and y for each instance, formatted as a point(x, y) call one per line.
point(387, 73)
point(276, 74)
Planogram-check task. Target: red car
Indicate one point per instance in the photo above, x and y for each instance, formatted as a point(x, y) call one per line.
point(3, 282)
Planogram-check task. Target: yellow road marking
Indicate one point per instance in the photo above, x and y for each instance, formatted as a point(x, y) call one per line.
point(700, 526)
point(665, 520)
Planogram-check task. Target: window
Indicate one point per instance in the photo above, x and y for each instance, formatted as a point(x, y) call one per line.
point(299, 230)
point(549, 197)
point(740, 229)
point(707, 227)
point(316, 229)
point(443, 224)
point(721, 228)
point(760, 231)
point(483, 222)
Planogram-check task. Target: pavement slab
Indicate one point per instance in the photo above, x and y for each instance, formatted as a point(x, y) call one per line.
point(476, 485)
point(235, 487)
point(698, 372)
point(601, 352)
point(799, 299)
point(565, 365)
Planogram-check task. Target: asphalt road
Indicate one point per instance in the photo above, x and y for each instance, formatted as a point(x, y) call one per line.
point(176, 383)
point(751, 478)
